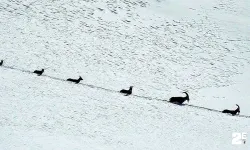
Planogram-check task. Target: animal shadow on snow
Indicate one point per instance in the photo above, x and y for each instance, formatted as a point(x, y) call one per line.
point(176, 103)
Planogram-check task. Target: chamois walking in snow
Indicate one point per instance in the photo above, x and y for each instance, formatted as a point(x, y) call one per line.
point(179, 100)
point(1, 63)
point(75, 80)
point(232, 112)
point(127, 92)
point(39, 72)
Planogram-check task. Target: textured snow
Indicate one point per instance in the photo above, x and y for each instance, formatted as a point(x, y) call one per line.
point(161, 47)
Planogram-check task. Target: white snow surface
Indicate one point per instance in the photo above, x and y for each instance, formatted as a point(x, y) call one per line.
point(161, 47)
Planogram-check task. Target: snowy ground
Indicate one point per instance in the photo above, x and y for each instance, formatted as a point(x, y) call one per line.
point(162, 47)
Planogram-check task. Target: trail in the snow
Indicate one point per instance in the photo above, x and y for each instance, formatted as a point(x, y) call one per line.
point(110, 90)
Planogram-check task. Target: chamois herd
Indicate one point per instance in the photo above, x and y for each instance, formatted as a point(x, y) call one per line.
point(175, 100)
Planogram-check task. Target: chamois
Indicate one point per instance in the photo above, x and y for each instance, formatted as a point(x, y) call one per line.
point(75, 80)
point(179, 100)
point(1, 63)
point(127, 92)
point(39, 72)
point(232, 112)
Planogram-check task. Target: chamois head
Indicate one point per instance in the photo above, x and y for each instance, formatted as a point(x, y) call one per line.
point(80, 78)
point(187, 96)
point(238, 109)
point(130, 88)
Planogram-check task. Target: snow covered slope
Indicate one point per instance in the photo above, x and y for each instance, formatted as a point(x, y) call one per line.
point(162, 47)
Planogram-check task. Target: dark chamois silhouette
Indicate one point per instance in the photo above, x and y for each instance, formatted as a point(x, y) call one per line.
point(1, 63)
point(75, 80)
point(179, 100)
point(39, 72)
point(232, 112)
point(127, 92)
